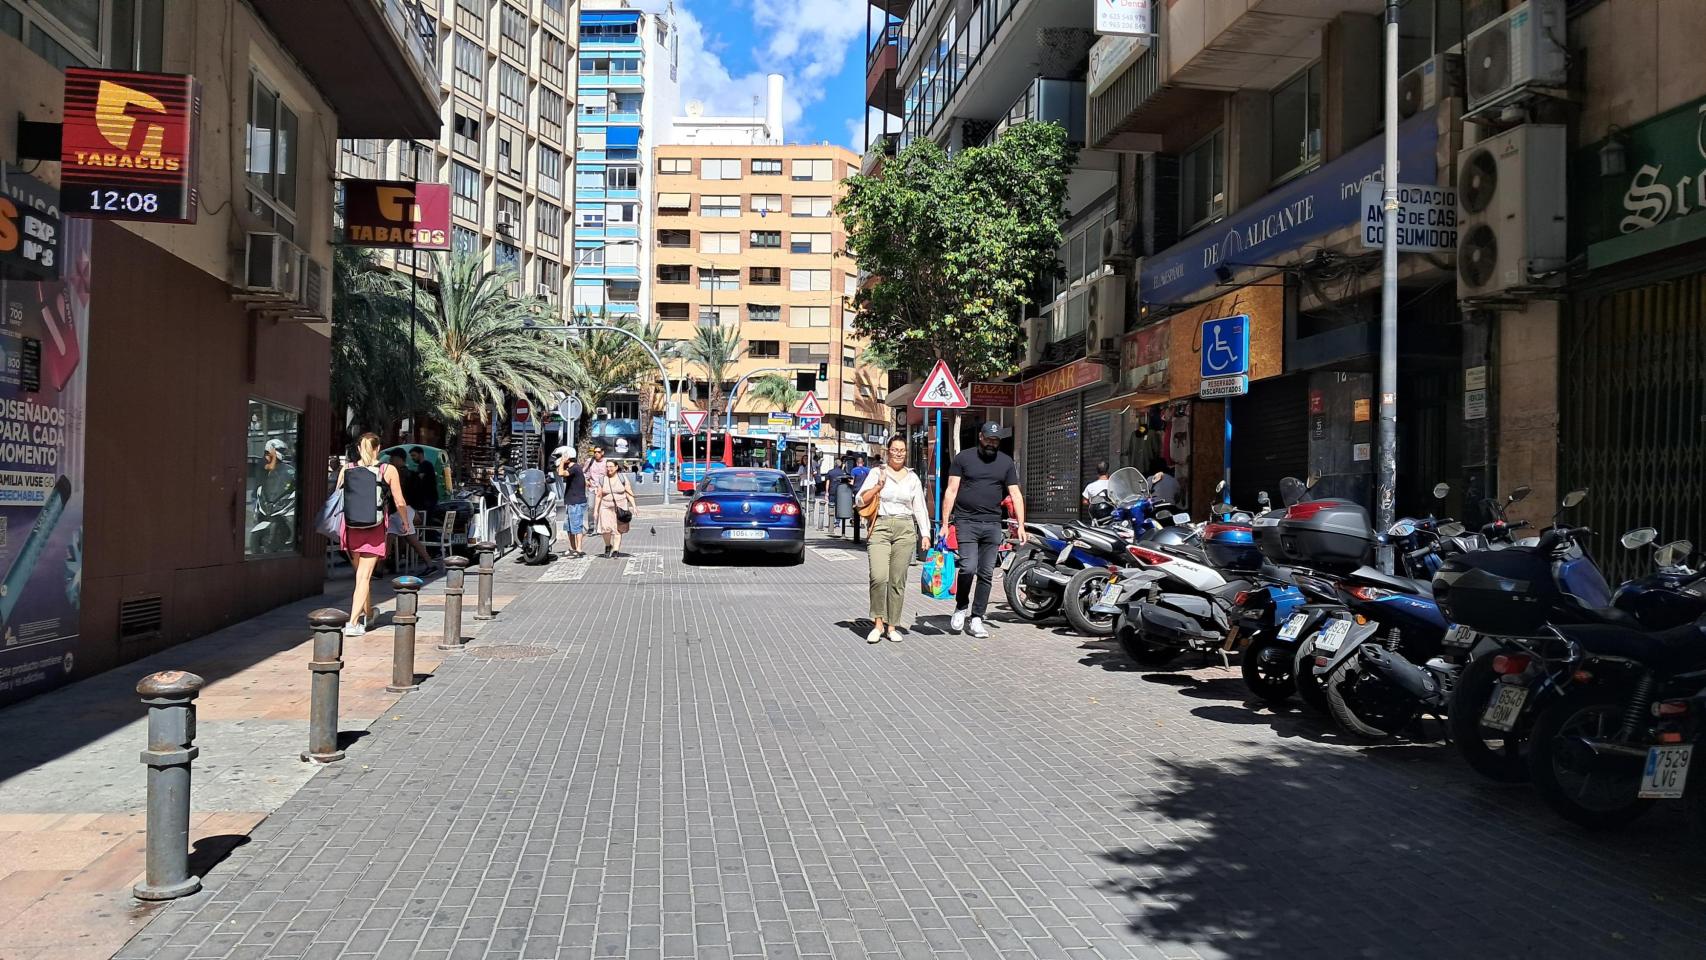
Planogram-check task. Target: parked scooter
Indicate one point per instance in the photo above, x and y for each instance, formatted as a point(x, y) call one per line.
point(1072, 559)
point(532, 501)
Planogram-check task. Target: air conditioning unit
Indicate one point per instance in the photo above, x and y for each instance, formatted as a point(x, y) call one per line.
point(1511, 218)
point(1522, 49)
point(1439, 77)
point(316, 292)
point(1036, 339)
point(272, 267)
point(506, 224)
point(1106, 310)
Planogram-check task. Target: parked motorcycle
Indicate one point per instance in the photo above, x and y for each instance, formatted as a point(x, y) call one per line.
point(1076, 560)
point(532, 501)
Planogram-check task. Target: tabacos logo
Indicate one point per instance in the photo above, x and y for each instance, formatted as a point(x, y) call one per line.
point(397, 214)
point(121, 129)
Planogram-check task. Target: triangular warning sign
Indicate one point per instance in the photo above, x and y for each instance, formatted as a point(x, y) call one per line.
point(941, 390)
point(694, 419)
point(809, 406)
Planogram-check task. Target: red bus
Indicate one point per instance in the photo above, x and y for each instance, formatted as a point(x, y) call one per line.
point(726, 449)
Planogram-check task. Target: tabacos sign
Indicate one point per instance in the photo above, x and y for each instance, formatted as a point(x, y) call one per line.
point(128, 145)
point(1658, 202)
point(397, 214)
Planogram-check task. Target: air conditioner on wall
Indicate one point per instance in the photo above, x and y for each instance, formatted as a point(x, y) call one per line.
point(272, 267)
point(1522, 49)
point(506, 224)
point(1511, 218)
point(1106, 310)
point(316, 303)
point(1437, 78)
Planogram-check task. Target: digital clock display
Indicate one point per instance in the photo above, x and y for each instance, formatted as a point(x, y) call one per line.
point(124, 201)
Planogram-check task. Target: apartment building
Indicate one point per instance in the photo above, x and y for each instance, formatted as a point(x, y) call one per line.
point(505, 140)
point(760, 126)
point(747, 237)
point(166, 336)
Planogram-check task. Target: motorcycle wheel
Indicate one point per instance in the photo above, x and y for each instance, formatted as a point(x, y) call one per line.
point(1494, 754)
point(1027, 604)
point(1084, 589)
point(1366, 707)
point(1563, 770)
point(1143, 653)
point(535, 550)
point(1266, 665)
point(1311, 689)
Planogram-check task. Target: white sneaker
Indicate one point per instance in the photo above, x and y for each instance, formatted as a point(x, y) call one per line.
point(875, 636)
point(354, 630)
point(896, 634)
point(975, 628)
point(957, 622)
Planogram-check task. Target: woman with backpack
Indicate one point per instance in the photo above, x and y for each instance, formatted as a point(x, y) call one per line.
point(372, 491)
point(615, 508)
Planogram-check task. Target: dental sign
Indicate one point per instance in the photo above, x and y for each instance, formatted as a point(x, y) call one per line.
point(129, 145)
point(397, 214)
point(1123, 18)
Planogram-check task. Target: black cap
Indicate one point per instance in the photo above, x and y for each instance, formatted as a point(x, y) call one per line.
point(992, 430)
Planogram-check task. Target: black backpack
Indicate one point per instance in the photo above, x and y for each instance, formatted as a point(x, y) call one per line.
point(364, 497)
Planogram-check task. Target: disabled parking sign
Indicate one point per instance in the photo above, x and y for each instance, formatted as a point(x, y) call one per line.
point(1226, 347)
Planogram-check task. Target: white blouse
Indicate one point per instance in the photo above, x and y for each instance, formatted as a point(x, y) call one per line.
point(902, 495)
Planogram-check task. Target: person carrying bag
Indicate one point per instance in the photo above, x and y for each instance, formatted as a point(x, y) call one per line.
point(893, 498)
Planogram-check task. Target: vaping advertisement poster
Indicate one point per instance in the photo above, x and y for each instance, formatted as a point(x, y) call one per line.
point(44, 327)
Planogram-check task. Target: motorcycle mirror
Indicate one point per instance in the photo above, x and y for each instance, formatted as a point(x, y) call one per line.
point(1310, 483)
point(1521, 493)
point(1220, 486)
point(1573, 497)
point(1442, 490)
point(1262, 498)
point(1453, 529)
point(1402, 528)
point(1638, 537)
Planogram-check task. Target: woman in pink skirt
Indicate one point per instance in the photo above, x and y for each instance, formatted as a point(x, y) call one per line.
point(366, 545)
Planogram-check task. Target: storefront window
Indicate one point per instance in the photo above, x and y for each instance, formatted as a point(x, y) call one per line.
point(274, 522)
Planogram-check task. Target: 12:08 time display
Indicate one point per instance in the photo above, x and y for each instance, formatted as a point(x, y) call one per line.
point(123, 201)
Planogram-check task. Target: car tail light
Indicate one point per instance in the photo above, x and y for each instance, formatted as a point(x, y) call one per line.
point(1368, 593)
point(1506, 664)
point(785, 510)
point(1671, 708)
point(1146, 555)
point(705, 506)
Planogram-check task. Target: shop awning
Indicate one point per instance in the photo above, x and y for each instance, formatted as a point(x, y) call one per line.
point(622, 136)
point(1129, 401)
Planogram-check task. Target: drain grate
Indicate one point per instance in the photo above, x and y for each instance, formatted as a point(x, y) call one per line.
point(510, 651)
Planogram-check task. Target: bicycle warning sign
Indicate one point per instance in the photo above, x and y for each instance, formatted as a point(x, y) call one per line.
point(941, 390)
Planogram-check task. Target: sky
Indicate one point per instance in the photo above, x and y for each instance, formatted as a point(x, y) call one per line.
point(728, 46)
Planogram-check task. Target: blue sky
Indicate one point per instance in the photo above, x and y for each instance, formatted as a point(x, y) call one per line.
point(817, 45)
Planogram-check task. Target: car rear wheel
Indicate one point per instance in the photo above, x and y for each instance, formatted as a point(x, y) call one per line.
point(691, 556)
point(797, 557)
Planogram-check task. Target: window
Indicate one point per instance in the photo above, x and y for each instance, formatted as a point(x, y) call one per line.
point(465, 183)
point(622, 291)
point(813, 170)
point(622, 254)
point(465, 135)
point(766, 168)
point(271, 157)
point(512, 28)
point(550, 276)
point(710, 316)
point(766, 239)
point(675, 273)
point(765, 276)
point(471, 16)
point(590, 256)
point(138, 31)
point(626, 66)
point(464, 240)
point(550, 171)
point(553, 58)
point(719, 169)
point(1297, 123)
point(763, 313)
point(622, 178)
point(675, 165)
point(1202, 183)
point(764, 349)
point(470, 67)
point(551, 115)
point(809, 317)
point(273, 511)
point(621, 214)
point(672, 311)
point(713, 278)
point(512, 92)
point(808, 352)
point(675, 202)
point(506, 256)
point(510, 147)
point(548, 224)
point(593, 104)
point(589, 219)
point(619, 32)
point(628, 103)
point(808, 243)
point(509, 215)
point(675, 238)
point(719, 206)
point(811, 206)
point(849, 357)
point(813, 280)
point(719, 242)
point(766, 203)
point(592, 66)
point(1426, 27)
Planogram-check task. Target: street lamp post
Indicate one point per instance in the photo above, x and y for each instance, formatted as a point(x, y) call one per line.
point(729, 403)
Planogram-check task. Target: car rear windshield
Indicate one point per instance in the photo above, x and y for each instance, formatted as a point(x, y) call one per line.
point(734, 481)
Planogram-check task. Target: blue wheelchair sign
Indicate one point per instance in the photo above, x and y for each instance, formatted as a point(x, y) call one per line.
point(1226, 346)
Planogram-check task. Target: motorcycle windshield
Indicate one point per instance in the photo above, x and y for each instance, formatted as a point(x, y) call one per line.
point(1128, 484)
point(532, 487)
point(1293, 490)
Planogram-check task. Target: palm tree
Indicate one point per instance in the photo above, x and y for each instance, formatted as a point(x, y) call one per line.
point(714, 349)
point(602, 362)
point(483, 349)
point(776, 390)
point(372, 382)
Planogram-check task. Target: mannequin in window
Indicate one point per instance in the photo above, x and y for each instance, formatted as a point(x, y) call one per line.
point(1142, 448)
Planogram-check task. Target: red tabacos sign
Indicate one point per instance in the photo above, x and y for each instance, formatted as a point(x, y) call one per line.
point(129, 145)
point(397, 214)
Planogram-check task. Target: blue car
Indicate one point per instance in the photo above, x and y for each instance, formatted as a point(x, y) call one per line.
point(750, 509)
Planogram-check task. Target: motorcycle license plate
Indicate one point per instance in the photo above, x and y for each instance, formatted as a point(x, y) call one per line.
point(1065, 552)
point(1111, 592)
point(1293, 626)
point(746, 534)
point(1507, 704)
point(1667, 772)
point(1328, 640)
point(1180, 519)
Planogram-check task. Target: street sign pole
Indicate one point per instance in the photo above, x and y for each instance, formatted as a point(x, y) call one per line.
point(940, 520)
point(1387, 475)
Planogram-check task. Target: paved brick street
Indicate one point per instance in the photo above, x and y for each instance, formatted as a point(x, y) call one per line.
point(649, 761)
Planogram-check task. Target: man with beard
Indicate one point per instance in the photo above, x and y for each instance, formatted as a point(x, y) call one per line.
point(978, 480)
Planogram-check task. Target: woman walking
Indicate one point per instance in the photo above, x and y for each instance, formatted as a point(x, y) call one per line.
point(615, 508)
point(902, 520)
point(367, 517)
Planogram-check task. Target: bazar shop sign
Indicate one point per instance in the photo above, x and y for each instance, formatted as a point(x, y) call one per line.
point(1658, 203)
point(29, 227)
point(993, 394)
point(1074, 376)
point(1305, 209)
point(128, 145)
point(397, 214)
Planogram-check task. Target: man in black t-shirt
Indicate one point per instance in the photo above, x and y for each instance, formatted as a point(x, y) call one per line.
point(978, 480)
point(574, 501)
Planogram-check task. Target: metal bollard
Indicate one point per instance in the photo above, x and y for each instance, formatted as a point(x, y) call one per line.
point(323, 695)
point(488, 558)
point(170, 698)
point(455, 572)
point(403, 634)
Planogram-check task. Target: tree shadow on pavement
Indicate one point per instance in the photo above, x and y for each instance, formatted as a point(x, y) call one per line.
point(1305, 851)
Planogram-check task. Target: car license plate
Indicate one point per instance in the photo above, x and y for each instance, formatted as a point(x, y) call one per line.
point(1293, 626)
point(1328, 640)
point(1507, 704)
point(746, 534)
point(1667, 772)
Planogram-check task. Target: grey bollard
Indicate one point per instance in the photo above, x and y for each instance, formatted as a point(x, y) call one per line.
point(455, 573)
point(403, 634)
point(323, 696)
point(170, 698)
point(488, 558)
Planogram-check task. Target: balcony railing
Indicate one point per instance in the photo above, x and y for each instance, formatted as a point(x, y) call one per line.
point(885, 40)
point(948, 67)
point(1050, 101)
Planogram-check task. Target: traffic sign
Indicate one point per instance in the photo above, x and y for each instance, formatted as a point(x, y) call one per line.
point(783, 420)
point(941, 390)
point(694, 419)
point(1225, 346)
point(809, 406)
point(1236, 385)
point(811, 426)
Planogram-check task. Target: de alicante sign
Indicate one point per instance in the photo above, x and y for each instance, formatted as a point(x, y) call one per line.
point(1659, 202)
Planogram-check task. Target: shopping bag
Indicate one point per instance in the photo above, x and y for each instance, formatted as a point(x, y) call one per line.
point(331, 518)
point(937, 576)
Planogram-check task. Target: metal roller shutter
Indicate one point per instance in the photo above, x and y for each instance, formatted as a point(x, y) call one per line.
point(1051, 459)
point(1270, 436)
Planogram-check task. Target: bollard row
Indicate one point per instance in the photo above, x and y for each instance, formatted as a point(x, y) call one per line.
point(488, 559)
point(328, 662)
point(455, 572)
point(403, 634)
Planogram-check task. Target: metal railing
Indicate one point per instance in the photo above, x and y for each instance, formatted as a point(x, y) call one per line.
point(888, 38)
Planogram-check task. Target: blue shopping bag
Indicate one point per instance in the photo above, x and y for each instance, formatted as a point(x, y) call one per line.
point(937, 578)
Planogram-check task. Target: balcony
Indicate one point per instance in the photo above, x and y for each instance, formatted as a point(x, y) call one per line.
point(1248, 44)
point(1050, 101)
point(882, 86)
point(374, 60)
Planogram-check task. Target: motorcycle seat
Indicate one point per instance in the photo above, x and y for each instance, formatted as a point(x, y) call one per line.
point(1185, 551)
point(1673, 650)
point(1101, 540)
point(1232, 589)
point(1050, 530)
point(1374, 578)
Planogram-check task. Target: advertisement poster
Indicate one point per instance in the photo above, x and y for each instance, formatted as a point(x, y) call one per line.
point(44, 328)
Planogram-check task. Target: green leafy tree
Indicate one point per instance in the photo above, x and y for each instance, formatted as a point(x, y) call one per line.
point(373, 383)
point(714, 348)
point(776, 390)
point(955, 243)
point(602, 362)
point(484, 351)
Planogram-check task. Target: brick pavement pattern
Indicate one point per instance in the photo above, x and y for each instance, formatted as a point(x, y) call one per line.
point(710, 763)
